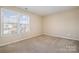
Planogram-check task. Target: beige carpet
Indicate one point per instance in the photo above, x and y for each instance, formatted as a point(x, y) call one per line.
point(42, 44)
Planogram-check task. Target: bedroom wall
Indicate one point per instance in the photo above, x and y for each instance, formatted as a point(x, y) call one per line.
point(35, 28)
point(64, 24)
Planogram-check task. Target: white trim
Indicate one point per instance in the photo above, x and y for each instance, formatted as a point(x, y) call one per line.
point(60, 36)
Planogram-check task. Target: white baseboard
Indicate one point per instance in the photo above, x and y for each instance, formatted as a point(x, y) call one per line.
point(19, 40)
point(60, 36)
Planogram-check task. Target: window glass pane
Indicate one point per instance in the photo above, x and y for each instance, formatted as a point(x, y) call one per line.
point(9, 16)
point(10, 22)
point(23, 20)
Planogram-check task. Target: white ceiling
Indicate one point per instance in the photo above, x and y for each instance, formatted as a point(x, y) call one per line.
point(46, 10)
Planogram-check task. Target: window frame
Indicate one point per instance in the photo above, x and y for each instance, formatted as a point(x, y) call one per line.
point(19, 14)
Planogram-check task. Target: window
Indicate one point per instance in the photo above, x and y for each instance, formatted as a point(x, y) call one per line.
point(13, 22)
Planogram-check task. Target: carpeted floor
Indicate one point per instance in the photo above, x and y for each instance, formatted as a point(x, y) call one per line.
point(42, 44)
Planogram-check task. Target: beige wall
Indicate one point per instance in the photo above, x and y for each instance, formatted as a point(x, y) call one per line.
point(35, 28)
point(64, 24)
